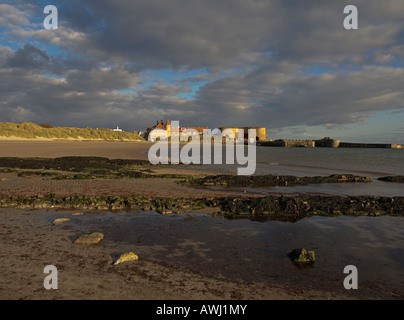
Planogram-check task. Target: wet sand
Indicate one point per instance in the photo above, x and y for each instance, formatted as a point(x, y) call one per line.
point(14, 186)
point(54, 149)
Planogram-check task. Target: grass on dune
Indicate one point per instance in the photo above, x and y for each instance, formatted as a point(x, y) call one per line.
point(30, 130)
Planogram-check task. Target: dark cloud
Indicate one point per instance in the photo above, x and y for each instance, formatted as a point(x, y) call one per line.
point(325, 99)
point(225, 34)
point(102, 79)
point(29, 57)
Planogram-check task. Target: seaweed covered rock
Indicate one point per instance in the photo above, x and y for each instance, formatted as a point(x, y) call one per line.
point(302, 258)
point(274, 180)
point(397, 179)
point(293, 208)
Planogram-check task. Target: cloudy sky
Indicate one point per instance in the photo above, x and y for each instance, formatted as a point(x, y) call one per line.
point(287, 65)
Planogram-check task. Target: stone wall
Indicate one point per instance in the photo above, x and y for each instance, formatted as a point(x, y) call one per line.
point(299, 143)
point(370, 145)
point(328, 143)
point(289, 143)
point(260, 132)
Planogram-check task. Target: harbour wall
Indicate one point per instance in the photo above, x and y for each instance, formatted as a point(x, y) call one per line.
point(289, 143)
point(370, 145)
point(327, 143)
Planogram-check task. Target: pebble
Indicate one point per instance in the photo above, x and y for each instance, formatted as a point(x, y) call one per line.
point(90, 239)
point(127, 256)
point(60, 221)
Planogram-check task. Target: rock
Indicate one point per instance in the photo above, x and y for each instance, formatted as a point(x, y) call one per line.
point(127, 256)
point(273, 180)
point(398, 179)
point(60, 221)
point(90, 239)
point(302, 257)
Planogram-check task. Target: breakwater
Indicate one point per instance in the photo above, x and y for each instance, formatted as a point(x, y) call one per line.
point(370, 145)
point(326, 143)
point(288, 143)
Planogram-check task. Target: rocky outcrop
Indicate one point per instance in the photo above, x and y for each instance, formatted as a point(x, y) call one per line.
point(294, 208)
point(399, 179)
point(69, 163)
point(273, 180)
point(283, 208)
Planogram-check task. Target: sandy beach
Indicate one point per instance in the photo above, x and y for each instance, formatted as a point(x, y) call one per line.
point(29, 241)
point(56, 148)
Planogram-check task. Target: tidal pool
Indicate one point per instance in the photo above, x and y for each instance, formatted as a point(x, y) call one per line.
point(257, 252)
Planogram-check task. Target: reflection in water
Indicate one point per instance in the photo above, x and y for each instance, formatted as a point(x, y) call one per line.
point(258, 251)
point(374, 188)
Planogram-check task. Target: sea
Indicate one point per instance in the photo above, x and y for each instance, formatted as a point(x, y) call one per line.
point(369, 162)
point(373, 163)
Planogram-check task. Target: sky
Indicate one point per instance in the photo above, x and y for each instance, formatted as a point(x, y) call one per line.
point(287, 65)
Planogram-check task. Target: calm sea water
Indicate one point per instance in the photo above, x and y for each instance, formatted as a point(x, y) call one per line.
point(312, 161)
point(372, 163)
